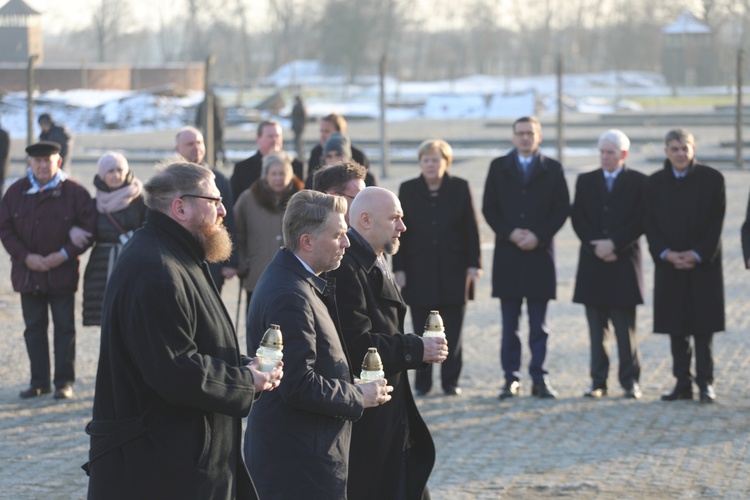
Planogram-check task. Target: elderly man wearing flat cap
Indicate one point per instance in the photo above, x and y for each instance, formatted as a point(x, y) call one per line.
point(37, 215)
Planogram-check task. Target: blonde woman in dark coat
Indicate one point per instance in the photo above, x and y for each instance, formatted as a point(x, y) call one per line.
point(440, 259)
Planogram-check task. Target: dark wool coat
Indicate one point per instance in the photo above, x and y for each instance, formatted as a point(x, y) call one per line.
point(39, 223)
point(316, 160)
point(248, 171)
point(746, 234)
point(440, 242)
point(4, 156)
point(106, 249)
point(541, 205)
point(598, 214)
point(169, 367)
point(372, 315)
point(297, 440)
point(687, 214)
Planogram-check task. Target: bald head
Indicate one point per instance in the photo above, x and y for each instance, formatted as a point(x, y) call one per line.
point(376, 215)
point(189, 144)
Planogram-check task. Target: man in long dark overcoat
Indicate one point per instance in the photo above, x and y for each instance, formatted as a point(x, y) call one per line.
point(171, 386)
point(525, 202)
point(297, 439)
point(392, 452)
point(685, 205)
point(607, 216)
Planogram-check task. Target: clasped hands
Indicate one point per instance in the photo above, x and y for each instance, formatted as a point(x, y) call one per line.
point(605, 250)
point(524, 239)
point(42, 263)
point(682, 260)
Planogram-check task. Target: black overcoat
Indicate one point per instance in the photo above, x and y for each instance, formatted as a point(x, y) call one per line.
point(598, 214)
point(372, 315)
point(687, 214)
point(169, 372)
point(540, 205)
point(297, 440)
point(440, 242)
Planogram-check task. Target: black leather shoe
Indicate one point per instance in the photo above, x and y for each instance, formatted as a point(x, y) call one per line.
point(633, 393)
point(543, 391)
point(707, 394)
point(595, 392)
point(678, 393)
point(511, 389)
point(453, 391)
point(64, 392)
point(33, 392)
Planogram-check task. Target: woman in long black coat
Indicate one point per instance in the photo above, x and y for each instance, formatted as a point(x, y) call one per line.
point(439, 259)
point(120, 211)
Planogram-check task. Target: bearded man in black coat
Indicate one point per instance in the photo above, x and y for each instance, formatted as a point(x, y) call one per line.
point(171, 386)
point(392, 452)
point(608, 219)
point(685, 206)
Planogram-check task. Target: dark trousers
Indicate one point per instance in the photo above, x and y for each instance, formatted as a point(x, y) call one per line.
point(36, 318)
point(450, 369)
point(623, 323)
point(510, 343)
point(681, 357)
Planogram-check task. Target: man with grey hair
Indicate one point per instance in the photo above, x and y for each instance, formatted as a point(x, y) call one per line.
point(608, 219)
point(171, 385)
point(372, 315)
point(297, 440)
point(685, 205)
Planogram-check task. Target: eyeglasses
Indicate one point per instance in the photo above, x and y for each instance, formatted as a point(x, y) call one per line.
point(215, 199)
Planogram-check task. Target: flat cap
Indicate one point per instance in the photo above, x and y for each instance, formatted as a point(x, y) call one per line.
point(43, 148)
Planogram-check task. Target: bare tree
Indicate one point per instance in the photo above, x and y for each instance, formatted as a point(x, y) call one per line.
point(109, 19)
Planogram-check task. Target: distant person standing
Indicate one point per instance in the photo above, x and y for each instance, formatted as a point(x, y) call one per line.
point(4, 157)
point(120, 211)
point(59, 134)
point(299, 120)
point(331, 124)
point(685, 206)
point(440, 257)
point(37, 215)
point(526, 203)
point(607, 216)
point(269, 139)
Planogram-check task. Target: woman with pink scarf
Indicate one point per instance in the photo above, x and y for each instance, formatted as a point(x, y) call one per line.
point(120, 211)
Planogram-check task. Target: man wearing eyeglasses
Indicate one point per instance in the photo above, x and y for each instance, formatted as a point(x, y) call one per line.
point(190, 145)
point(171, 385)
point(526, 202)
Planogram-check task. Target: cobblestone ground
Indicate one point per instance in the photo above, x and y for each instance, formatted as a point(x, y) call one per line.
point(525, 448)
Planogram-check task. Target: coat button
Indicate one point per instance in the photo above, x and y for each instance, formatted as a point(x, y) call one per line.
point(523, 191)
point(407, 357)
point(605, 208)
point(606, 232)
point(523, 216)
